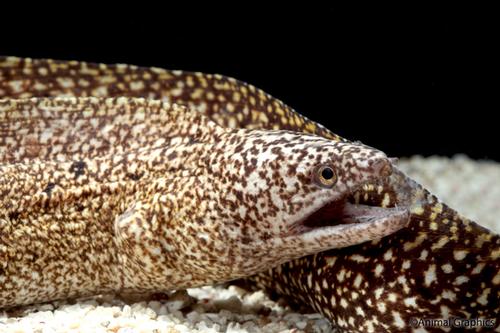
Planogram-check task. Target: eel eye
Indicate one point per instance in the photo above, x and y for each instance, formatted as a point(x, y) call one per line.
point(325, 176)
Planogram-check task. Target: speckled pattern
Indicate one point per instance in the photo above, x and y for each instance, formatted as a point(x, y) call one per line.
point(443, 265)
point(227, 101)
point(198, 204)
point(230, 309)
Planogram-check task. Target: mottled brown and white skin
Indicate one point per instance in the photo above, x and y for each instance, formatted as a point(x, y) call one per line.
point(131, 195)
point(443, 265)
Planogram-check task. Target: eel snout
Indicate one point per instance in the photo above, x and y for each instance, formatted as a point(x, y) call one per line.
point(342, 222)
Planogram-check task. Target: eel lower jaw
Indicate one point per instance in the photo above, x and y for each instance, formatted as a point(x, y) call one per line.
point(361, 222)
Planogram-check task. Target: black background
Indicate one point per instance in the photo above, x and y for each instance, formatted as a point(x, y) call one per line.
point(405, 80)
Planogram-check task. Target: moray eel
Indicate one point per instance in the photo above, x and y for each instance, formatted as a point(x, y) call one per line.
point(442, 266)
point(130, 195)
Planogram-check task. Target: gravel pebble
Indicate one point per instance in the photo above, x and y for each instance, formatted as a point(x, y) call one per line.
point(471, 187)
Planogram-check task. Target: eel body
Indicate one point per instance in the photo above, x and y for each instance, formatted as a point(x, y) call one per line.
point(130, 195)
point(442, 266)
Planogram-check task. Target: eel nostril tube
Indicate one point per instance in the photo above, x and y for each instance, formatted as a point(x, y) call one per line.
point(382, 167)
point(394, 160)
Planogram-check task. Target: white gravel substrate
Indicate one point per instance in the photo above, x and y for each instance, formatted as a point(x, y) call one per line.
point(471, 187)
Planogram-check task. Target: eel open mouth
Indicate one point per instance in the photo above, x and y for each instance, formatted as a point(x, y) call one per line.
point(342, 212)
